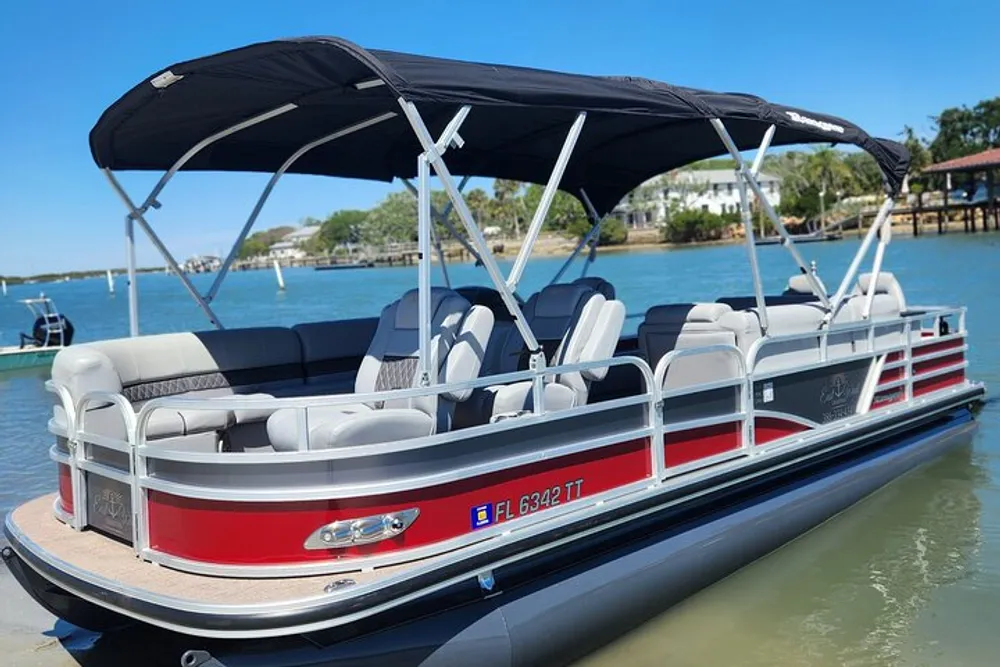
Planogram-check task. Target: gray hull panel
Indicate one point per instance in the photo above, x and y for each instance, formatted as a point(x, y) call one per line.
point(568, 614)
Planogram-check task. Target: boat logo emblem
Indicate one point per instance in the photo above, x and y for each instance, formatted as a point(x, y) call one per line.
point(835, 391)
point(110, 504)
point(812, 122)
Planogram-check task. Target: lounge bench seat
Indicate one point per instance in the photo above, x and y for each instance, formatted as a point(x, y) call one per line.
point(309, 359)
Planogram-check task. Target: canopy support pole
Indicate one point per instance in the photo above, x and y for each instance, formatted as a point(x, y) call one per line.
point(137, 216)
point(436, 240)
point(442, 217)
point(521, 261)
point(595, 236)
point(845, 284)
point(204, 143)
point(751, 181)
point(133, 287)
point(747, 216)
point(537, 362)
point(424, 269)
point(235, 250)
point(594, 228)
point(884, 238)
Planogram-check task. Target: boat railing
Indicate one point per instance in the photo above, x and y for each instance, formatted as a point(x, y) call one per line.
point(870, 327)
point(303, 403)
point(742, 414)
point(666, 427)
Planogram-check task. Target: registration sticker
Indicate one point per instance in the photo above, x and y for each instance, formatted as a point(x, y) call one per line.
point(768, 392)
point(482, 515)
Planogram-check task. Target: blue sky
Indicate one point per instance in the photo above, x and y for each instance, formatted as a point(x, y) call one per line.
point(880, 64)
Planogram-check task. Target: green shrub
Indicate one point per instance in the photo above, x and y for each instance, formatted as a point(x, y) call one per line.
point(613, 231)
point(694, 225)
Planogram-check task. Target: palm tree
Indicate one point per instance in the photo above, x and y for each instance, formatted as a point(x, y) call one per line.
point(507, 202)
point(826, 168)
point(478, 202)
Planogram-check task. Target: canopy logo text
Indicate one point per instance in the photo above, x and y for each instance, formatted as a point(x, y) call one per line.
point(818, 124)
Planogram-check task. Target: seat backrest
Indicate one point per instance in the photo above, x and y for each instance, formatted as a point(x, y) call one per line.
point(785, 320)
point(885, 284)
point(799, 284)
point(503, 321)
point(332, 351)
point(552, 314)
point(888, 303)
point(686, 326)
point(598, 284)
point(459, 332)
point(594, 338)
point(148, 367)
point(744, 302)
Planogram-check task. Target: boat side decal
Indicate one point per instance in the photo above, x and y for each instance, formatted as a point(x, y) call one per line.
point(213, 531)
point(819, 395)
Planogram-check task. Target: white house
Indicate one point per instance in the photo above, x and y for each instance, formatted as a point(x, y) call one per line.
point(714, 190)
point(290, 245)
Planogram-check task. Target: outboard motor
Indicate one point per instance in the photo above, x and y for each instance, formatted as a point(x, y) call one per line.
point(50, 330)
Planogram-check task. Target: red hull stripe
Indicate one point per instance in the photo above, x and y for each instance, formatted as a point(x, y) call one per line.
point(940, 362)
point(937, 347)
point(699, 443)
point(940, 382)
point(893, 356)
point(891, 375)
point(65, 488)
point(271, 533)
point(768, 429)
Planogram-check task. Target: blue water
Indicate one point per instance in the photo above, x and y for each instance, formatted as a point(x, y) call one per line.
point(909, 577)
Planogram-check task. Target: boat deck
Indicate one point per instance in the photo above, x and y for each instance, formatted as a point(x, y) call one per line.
point(94, 556)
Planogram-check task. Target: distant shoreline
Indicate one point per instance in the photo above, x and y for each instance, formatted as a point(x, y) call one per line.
point(642, 240)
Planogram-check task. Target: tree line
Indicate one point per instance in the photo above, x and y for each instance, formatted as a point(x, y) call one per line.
point(506, 211)
point(811, 180)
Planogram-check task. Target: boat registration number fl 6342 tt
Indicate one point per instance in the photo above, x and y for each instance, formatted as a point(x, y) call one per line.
point(507, 509)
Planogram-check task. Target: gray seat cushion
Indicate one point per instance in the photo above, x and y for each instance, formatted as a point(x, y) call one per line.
point(283, 425)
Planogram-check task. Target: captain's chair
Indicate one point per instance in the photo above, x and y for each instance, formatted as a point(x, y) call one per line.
point(459, 332)
point(572, 323)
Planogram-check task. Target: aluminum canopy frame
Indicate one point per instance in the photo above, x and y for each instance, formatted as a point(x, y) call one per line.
point(326, 106)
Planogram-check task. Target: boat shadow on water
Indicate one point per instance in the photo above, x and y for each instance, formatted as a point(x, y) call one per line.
point(907, 540)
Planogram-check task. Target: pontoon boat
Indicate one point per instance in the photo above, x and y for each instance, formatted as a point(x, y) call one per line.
point(50, 332)
point(466, 477)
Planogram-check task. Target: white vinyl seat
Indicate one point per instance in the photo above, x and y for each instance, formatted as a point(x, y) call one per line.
point(459, 333)
point(888, 304)
point(573, 323)
point(685, 326)
point(886, 285)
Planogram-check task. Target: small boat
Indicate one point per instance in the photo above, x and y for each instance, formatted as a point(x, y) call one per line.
point(466, 477)
point(50, 332)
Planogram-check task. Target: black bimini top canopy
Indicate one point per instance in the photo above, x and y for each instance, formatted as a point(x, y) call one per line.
point(635, 128)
